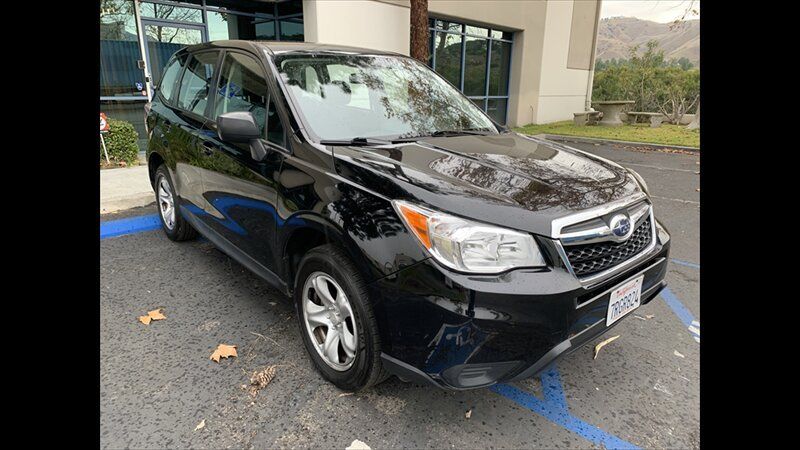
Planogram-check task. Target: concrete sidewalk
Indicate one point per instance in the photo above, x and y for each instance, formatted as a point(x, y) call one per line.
point(124, 188)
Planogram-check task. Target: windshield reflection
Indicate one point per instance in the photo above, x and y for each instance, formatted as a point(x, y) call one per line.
point(343, 97)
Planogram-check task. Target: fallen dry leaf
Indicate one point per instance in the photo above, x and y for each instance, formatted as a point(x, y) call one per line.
point(697, 190)
point(156, 314)
point(678, 354)
point(649, 316)
point(152, 315)
point(260, 379)
point(358, 445)
point(200, 425)
point(343, 394)
point(468, 414)
point(223, 351)
point(603, 344)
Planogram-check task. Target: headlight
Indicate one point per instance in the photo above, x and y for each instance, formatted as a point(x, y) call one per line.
point(469, 246)
point(640, 180)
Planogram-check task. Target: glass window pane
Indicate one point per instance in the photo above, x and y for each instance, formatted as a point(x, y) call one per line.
point(242, 87)
point(497, 109)
point(481, 102)
point(449, 26)
point(477, 30)
point(475, 66)
point(448, 57)
point(167, 83)
point(171, 12)
point(265, 28)
point(290, 7)
point(119, 50)
point(499, 69)
point(431, 41)
point(233, 26)
point(497, 34)
point(163, 41)
point(292, 29)
point(196, 83)
point(246, 6)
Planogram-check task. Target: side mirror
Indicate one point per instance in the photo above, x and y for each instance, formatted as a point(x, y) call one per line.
point(240, 127)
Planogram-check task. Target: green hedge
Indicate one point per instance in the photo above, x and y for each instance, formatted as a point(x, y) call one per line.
point(121, 142)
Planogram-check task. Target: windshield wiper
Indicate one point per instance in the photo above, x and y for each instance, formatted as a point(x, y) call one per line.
point(446, 133)
point(356, 141)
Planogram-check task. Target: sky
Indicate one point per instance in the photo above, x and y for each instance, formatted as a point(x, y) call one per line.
point(663, 11)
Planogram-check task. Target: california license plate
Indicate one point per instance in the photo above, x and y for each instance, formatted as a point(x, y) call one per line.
point(624, 299)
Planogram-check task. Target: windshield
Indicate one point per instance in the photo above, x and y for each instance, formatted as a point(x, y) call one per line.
point(343, 97)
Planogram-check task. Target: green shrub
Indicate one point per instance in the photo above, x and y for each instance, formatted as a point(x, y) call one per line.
point(121, 142)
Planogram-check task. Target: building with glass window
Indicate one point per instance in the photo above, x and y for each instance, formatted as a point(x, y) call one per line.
point(521, 61)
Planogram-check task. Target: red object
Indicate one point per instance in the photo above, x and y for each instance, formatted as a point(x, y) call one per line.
point(103, 123)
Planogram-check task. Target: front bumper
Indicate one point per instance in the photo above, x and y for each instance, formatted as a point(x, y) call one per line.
point(458, 331)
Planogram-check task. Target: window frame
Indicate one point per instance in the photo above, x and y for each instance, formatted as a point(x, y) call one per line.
point(477, 99)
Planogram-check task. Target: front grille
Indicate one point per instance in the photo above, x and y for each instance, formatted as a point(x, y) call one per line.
point(588, 259)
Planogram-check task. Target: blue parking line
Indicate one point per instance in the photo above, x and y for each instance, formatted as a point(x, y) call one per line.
point(685, 263)
point(557, 412)
point(130, 225)
point(692, 324)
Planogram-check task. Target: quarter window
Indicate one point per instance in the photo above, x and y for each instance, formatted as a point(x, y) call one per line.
point(171, 74)
point(242, 87)
point(196, 83)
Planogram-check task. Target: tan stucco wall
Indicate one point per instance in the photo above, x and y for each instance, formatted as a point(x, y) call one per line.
point(358, 23)
point(541, 87)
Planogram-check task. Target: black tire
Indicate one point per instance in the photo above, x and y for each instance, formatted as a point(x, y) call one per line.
point(366, 370)
point(181, 230)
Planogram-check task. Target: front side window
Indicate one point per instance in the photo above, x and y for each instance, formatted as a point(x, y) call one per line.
point(242, 87)
point(349, 96)
point(196, 82)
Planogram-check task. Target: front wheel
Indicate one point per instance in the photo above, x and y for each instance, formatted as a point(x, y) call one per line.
point(336, 320)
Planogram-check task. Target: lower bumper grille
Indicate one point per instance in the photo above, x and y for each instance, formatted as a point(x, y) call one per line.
point(588, 259)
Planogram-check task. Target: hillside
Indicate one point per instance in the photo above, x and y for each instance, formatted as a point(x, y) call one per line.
point(617, 34)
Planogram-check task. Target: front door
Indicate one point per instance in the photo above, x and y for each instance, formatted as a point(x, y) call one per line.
point(163, 39)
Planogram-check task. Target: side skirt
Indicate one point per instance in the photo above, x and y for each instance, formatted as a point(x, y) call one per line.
point(231, 250)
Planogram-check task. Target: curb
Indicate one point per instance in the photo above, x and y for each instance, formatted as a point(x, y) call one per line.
point(587, 140)
point(108, 206)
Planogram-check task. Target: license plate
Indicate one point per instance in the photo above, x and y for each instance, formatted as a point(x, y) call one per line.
point(624, 299)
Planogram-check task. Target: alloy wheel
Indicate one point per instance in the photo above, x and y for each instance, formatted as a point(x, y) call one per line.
point(329, 321)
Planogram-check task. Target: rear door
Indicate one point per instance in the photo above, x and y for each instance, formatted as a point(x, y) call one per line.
point(240, 192)
point(187, 135)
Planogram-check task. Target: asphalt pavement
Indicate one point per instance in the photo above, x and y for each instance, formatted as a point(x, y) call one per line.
point(157, 383)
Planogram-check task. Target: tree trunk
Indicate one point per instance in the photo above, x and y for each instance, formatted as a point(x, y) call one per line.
point(695, 124)
point(419, 30)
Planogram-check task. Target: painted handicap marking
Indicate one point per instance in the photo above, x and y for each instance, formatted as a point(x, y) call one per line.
point(554, 408)
point(131, 225)
point(692, 324)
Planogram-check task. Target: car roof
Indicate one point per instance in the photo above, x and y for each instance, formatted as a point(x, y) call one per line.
point(283, 47)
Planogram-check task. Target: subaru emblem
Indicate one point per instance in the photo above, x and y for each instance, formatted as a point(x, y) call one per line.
point(621, 226)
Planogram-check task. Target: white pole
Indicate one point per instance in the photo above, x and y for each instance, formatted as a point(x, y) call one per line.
point(103, 141)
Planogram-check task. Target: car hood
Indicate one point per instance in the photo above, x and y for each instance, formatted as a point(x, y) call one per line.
point(509, 179)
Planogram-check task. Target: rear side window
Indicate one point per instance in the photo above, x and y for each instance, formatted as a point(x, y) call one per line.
point(242, 87)
point(196, 82)
point(171, 74)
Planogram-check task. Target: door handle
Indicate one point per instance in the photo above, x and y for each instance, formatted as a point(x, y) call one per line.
point(208, 149)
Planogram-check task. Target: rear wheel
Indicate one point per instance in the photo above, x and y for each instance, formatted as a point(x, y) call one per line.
point(336, 320)
point(172, 222)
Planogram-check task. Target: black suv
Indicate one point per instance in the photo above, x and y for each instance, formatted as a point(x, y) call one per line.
point(416, 236)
